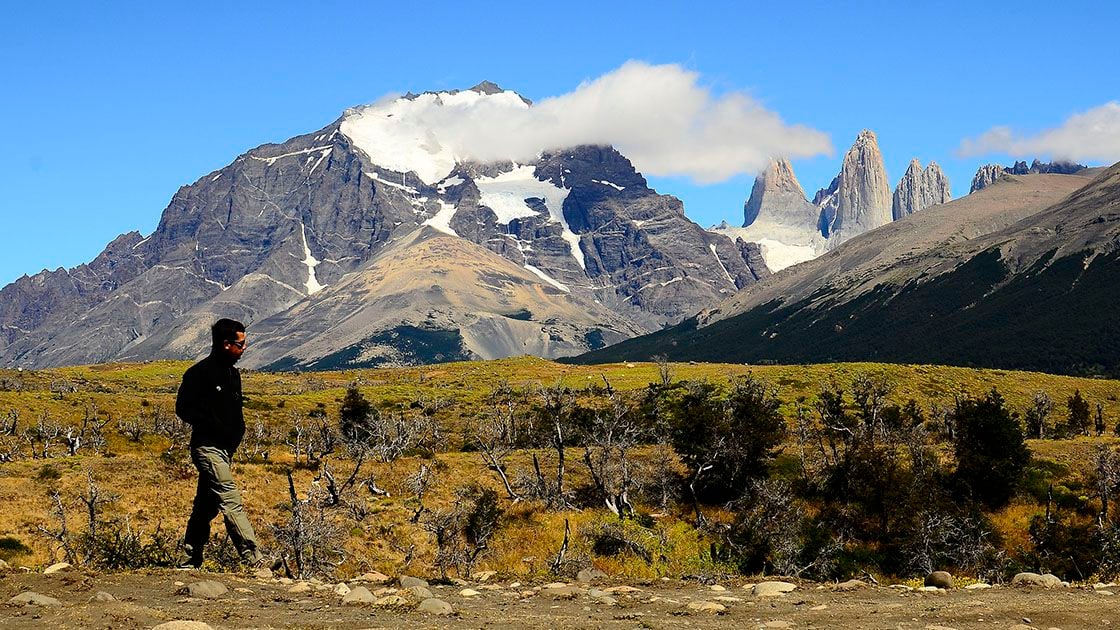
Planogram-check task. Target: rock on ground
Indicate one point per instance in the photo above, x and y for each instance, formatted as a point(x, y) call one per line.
point(434, 606)
point(408, 581)
point(206, 589)
point(391, 601)
point(587, 576)
point(940, 579)
point(706, 607)
point(772, 589)
point(56, 567)
point(1035, 580)
point(182, 625)
point(31, 598)
point(850, 585)
point(358, 595)
point(102, 596)
point(421, 592)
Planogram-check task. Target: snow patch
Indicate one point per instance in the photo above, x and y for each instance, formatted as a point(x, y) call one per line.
point(312, 285)
point(408, 189)
point(712, 247)
point(397, 133)
point(272, 160)
point(506, 195)
point(215, 178)
point(442, 219)
point(606, 183)
point(326, 152)
point(146, 239)
point(547, 278)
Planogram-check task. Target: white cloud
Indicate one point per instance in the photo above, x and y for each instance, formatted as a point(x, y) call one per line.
point(1093, 135)
point(658, 116)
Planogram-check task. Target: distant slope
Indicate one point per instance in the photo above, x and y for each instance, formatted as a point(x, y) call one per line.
point(1013, 276)
point(430, 298)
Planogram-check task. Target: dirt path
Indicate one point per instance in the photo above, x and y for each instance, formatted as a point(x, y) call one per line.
point(144, 600)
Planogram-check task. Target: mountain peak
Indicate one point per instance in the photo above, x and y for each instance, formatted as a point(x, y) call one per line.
point(777, 197)
point(487, 87)
point(862, 200)
point(919, 189)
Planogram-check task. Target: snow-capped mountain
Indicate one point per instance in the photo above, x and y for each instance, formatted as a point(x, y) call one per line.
point(299, 239)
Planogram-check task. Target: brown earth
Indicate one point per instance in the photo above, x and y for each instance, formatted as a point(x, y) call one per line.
point(143, 600)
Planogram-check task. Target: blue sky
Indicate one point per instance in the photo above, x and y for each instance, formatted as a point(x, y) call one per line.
point(109, 107)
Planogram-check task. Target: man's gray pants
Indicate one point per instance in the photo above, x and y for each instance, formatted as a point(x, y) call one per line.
point(217, 493)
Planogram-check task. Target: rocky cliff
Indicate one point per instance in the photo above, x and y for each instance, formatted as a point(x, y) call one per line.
point(920, 188)
point(860, 198)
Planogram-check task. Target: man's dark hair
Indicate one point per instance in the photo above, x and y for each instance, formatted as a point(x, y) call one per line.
point(225, 330)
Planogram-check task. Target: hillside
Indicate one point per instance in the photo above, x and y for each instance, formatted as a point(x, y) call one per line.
point(1017, 275)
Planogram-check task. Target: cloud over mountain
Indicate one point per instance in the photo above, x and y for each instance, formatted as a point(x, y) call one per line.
point(658, 115)
point(1092, 135)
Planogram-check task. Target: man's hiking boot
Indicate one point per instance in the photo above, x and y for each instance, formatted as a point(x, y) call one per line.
point(189, 564)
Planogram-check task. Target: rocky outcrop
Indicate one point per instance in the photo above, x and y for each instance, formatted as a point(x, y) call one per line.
point(777, 198)
point(920, 188)
point(988, 174)
point(860, 199)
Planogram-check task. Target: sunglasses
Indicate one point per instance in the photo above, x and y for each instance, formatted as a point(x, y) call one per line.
point(240, 344)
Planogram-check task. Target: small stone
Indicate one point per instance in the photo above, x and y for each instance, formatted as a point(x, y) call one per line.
point(434, 606)
point(562, 592)
point(819, 607)
point(850, 585)
point(357, 596)
point(469, 592)
point(940, 579)
point(286, 580)
point(102, 596)
point(242, 589)
point(56, 567)
point(31, 598)
point(728, 598)
point(778, 623)
point(772, 589)
point(607, 600)
point(391, 601)
point(408, 581)
point(1022, 626)
point(937, 627)
point(901, 587)
point(711, 608)
point(206, 589)
point(484, 576)
point(1104, 591)
point(515, 585)
point(420, 592)
point(717, 588)
point(300, 587)
point(263, 573)
point(4, 566)
point(622, 589)
point(384, 590)
point(555, 585)
point(979, 586)
point(182, 625)
point(587, 576)
point(930, 589)
point(373, 577)
point(341, 589)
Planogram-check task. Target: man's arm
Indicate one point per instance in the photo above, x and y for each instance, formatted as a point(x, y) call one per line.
point(191, 404)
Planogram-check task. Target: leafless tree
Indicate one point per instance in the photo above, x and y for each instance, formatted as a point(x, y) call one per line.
point(608, 440)
point(310, 540)
point(554, 408)
point(42, 435)
point(497, 433)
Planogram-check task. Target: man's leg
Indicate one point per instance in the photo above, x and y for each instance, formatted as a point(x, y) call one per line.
point(228, 501)
point(203, 511)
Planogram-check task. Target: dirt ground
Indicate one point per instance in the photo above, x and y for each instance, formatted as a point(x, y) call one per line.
point(143, 600)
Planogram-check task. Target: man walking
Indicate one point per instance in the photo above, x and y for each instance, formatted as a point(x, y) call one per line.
point(210, 401)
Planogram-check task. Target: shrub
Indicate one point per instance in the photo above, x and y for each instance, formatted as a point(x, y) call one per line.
point(991, 454)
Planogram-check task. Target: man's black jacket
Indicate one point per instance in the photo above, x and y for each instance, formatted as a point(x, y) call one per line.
point(210, 401)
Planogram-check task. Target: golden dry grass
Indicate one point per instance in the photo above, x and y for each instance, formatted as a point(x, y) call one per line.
point(153, 492)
